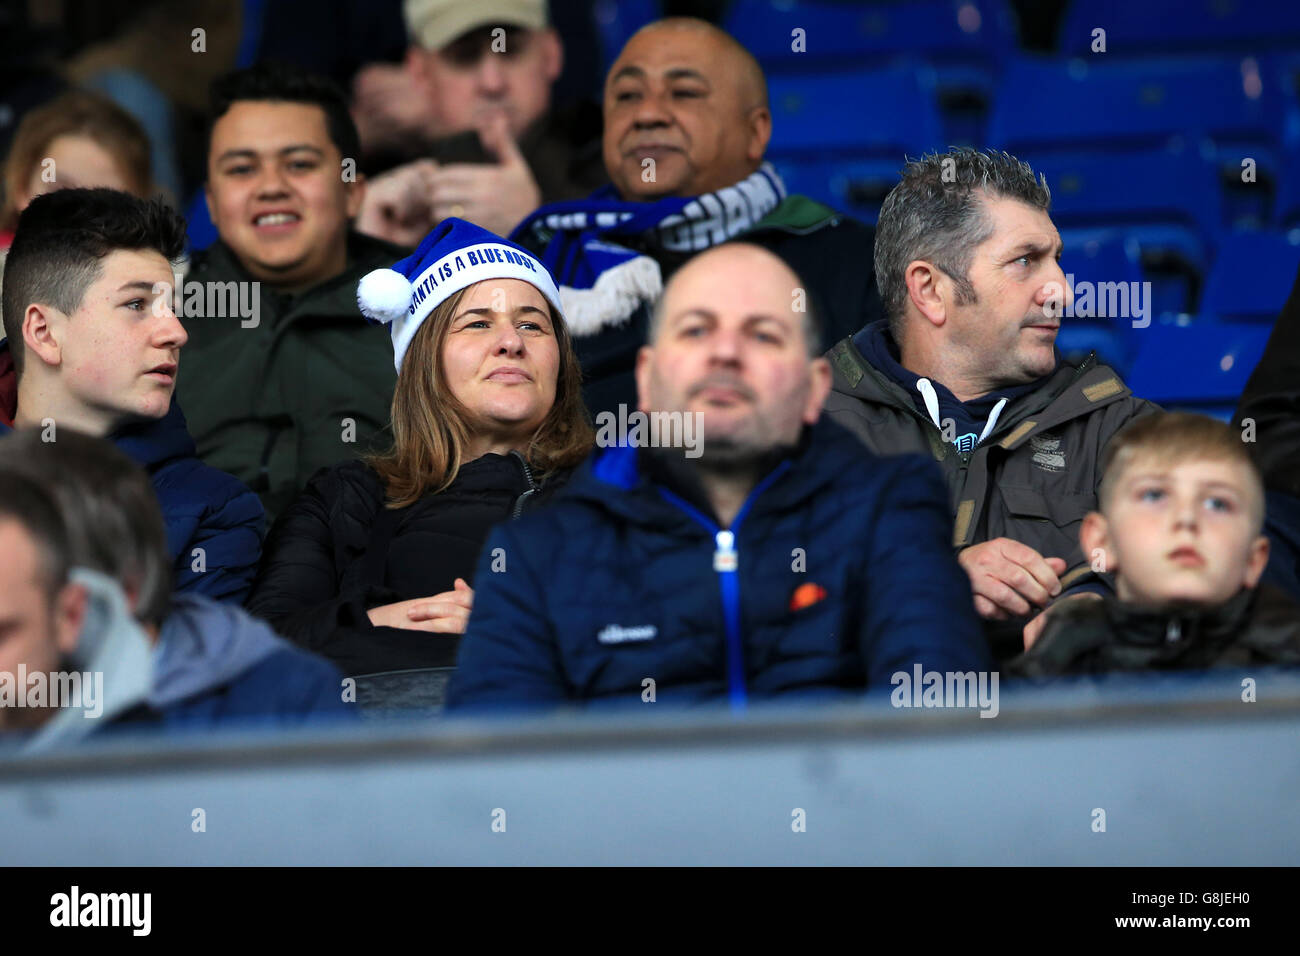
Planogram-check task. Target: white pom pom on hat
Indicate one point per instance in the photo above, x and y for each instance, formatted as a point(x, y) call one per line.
point(384, 295)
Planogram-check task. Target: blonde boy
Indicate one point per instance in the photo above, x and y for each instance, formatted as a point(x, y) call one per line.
point(1181, 508)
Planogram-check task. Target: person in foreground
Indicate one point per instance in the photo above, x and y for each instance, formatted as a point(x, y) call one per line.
point(1179, 526)
point(758, 551)
point(372, 564)
point(171, 661)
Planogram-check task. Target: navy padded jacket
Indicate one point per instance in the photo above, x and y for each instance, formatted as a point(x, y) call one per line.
point(620, 579)
point(204, 509)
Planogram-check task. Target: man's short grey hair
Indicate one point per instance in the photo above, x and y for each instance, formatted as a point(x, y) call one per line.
point(937, 214)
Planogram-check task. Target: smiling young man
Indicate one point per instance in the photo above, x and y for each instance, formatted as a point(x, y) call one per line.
point(783, 561)
point(1179, 526)
point(308, 382)
point(687, 125)
point(965, 369)
point(90, 346)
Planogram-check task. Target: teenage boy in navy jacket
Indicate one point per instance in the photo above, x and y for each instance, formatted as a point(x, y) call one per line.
point(92, 344)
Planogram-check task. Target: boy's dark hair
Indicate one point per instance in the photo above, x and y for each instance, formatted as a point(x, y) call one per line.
point(272, 81)
point(111, 517)
point(23, 499)
point(61, 239)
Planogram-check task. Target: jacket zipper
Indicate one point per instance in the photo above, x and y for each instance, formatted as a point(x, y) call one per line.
point(726, 564)
point(533, 486)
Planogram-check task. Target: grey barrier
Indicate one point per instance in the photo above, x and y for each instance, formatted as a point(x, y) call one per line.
point(1178, 774)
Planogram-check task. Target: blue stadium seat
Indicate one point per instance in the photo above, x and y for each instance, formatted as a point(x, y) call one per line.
point(952, 30)
point(199, 229)
point(808, 177)
point(1286, 211)
point(842, 138)
point(965, 41)
point(1075, 340)
point(1168, 203)
point(1100, 105)
point(1202, 365)
point(1251, 276)
point(1138, 29)
point(859, 114)
point(1103, 258)
point(1156, 193)
point(1087, 265)
point(857, 187)
point(616, 21)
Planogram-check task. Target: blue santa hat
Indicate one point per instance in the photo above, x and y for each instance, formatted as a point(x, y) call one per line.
point(454, 256)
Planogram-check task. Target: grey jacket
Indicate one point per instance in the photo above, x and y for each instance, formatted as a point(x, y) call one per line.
point(1035, 476)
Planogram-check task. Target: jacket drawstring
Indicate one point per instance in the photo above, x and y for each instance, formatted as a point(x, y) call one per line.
point(931, 400)
point(932, 406)
point(993, 419)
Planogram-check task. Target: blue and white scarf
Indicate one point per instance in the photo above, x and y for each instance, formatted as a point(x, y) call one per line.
point(602, 283)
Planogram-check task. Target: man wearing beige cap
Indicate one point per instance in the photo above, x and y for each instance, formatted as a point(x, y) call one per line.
point(487, 67)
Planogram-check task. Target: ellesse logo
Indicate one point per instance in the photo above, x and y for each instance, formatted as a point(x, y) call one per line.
point(613, 634)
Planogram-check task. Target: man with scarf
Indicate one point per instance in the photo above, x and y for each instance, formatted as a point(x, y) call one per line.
point(686, 127)
point(965, 369)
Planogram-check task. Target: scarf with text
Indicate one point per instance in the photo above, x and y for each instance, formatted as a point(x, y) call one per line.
point(602, 283)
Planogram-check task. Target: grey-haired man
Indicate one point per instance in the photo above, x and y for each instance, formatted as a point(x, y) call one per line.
point(965, 368)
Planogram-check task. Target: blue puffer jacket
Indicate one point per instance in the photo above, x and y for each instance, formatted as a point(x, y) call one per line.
point(203, 508)
point(836, 574)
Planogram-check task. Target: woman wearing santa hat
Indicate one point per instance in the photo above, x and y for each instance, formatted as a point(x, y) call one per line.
point(372, 565)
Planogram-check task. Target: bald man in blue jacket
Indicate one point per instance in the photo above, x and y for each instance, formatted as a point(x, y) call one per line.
point(728, 545)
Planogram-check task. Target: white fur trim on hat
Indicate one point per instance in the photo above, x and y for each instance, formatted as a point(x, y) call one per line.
point(460, 269)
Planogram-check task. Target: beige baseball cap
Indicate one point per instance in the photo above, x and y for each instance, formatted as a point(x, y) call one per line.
point(433, 24)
